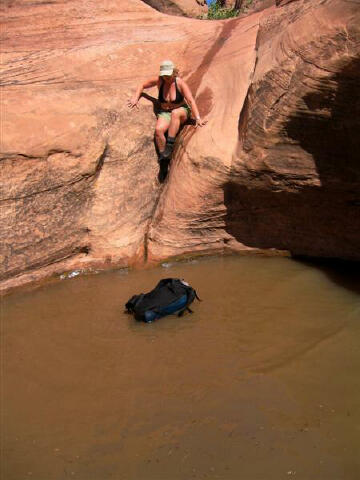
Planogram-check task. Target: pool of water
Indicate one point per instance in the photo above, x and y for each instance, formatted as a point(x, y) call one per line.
point(260, 382)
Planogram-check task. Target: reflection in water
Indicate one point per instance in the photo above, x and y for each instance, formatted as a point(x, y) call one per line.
point(259, 383)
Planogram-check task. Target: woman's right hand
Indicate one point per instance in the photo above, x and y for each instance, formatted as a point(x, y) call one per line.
point(133, 102)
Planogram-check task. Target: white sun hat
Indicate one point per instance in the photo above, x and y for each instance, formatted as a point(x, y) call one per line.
point(166, 67)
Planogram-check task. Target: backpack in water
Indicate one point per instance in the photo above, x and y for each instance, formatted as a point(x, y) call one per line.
point(171, 295)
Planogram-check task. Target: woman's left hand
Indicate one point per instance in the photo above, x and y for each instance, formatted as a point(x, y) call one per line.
point(199, 122)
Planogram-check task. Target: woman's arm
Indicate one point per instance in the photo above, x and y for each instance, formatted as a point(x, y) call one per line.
point(185, 90)
point(147, 84)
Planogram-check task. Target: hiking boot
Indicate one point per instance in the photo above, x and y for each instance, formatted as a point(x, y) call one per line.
point(169, 147)
point(164, 167)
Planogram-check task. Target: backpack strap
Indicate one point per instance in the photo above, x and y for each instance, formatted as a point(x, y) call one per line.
point(181, 313)
point(196, 295)
point(190, 298)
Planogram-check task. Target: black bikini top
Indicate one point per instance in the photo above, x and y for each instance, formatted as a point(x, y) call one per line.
point(179, 96)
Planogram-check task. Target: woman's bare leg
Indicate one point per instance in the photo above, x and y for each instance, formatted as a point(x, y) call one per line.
point(161, 127)
point(178, 117)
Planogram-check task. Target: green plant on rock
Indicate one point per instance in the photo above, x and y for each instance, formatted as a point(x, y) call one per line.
point(217, 12)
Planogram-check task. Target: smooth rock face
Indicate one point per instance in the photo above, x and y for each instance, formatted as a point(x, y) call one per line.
point(275, 166)
point(191, 211)
point(288, 177)
point(78, 169)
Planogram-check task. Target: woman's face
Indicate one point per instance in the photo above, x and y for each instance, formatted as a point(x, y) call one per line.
point(167, 78)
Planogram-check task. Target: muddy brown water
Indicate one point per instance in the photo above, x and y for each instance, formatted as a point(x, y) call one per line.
point(260, 382)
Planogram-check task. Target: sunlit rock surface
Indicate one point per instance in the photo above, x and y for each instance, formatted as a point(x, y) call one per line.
point(78, 170)
point(275, 167)
point(284, 173)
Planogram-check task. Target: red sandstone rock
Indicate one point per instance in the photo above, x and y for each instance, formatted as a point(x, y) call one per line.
point(187, 8)
point(275, 167)
point(78, 169)
point(191, 210)
point(284, 172)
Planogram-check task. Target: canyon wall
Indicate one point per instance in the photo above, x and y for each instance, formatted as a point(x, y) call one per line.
point(274, 168)
point(295, 180)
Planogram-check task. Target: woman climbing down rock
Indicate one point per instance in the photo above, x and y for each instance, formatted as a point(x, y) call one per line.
point(176, 107)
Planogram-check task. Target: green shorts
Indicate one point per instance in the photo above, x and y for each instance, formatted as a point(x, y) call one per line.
point(167, 114)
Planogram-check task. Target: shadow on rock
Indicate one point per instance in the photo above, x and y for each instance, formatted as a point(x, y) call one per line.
point(329, 127)
point(311, 221)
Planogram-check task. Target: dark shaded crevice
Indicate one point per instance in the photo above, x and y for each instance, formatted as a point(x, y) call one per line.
point(54, 151)
point(244, 114)
point(100, 161)
point(146, 246)
point(280, 97)
point(86, 249)
point(10, 156)
point(148, 226)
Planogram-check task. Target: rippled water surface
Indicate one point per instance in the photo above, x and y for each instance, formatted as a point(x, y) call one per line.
point(260, 382)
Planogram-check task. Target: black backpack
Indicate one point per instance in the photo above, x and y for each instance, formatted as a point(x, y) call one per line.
point(171, 295)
